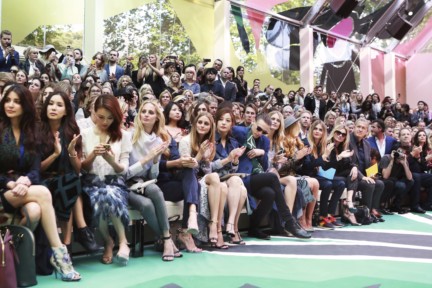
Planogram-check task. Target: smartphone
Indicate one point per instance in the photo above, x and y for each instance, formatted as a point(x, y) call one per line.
point(206, 60)
point(107, 146)
point(93, 62)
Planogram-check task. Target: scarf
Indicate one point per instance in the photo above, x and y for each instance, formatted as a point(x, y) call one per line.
point(142, 147)
point(250, 144)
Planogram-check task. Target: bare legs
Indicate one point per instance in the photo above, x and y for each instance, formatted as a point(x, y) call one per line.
point(33, 212)
point(290, 191)
point(314, 186)
point(123, 252)
point(213, 186)
point(236, 199)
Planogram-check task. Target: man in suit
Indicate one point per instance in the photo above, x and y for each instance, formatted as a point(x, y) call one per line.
point(230, 89)
point(113, 70)
point(8, 55)
point(315, 104)
point(379, 141)
point(371, 188)
point(262, 186)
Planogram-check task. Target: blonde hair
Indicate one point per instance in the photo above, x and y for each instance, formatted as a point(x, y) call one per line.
point(158, 128)
point(120, 81)
point(195, 139)
point(345, 144)
point(278, 135)
point(317, 148)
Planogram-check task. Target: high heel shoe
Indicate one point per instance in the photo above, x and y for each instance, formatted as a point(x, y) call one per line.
point(230, 229)
point(223, 246)
point(167, 257)
point(193, 224)
point(122, 258)
point(107, 258)
point(238, 242)
point(213, 238)
point(183, 241)
point(349, 217)
point(62, 264)
point(85, 237)
point(351, 207)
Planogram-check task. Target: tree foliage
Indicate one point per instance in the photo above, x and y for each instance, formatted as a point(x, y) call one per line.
point(60, 36)
point(151, 28)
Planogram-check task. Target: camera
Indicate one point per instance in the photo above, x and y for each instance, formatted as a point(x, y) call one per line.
point(396, 155)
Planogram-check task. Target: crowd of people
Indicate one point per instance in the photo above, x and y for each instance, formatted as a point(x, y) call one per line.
point(117, 136)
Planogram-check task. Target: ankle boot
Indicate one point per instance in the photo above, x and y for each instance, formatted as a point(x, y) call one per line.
point(86, 238)
point(62, 264)
point(294, 228)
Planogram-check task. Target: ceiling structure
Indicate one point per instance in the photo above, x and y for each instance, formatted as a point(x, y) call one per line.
point(400, 26)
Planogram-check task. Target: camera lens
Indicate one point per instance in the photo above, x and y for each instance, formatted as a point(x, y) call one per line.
point(396, 155)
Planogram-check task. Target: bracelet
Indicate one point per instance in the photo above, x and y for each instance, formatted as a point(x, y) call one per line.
point(73, 156)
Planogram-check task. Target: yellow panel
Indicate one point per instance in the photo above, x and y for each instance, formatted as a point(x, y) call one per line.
point(197, 17)
point(28, 15)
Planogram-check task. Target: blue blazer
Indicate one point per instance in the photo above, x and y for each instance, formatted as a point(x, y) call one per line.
point(389, 142)
point(6, 65)
point(118, 73)
point(245, 165)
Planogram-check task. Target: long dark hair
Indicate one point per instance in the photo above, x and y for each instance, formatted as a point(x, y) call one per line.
point(68, 125)
point(110, 103)
point(182, 122)
point(28, 118)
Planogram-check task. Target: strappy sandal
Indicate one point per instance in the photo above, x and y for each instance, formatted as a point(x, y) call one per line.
point(230, 229)
point(167, 257)
point(213, 240)
point(181, 242)
point(223, 246)
point(238, 242)
point(177, 253)
point(107, 259)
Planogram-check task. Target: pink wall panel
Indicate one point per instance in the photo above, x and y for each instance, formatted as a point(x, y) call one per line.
point(378, 73)
point(419, 79)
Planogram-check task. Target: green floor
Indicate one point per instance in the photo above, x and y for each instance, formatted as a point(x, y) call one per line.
point(211, 269)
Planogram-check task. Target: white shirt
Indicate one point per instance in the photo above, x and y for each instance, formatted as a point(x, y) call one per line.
point(381, 146)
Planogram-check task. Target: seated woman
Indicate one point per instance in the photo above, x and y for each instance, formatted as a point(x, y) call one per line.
point(61, 150)
point(295, 152)
point(317, 138)
point(19, 171)
point(226, 161)
point(339, 157)
point(198, 148)
point(175, 121)
point(149, 141)
point(263, 186)
point(277, 158)
point(106, 151)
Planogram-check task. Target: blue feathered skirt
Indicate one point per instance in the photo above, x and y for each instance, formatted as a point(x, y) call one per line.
point(108, 197)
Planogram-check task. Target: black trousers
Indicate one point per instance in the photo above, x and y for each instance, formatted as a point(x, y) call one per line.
point(266, 188)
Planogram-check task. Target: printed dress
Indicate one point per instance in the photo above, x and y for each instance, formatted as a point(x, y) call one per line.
point(106, 188)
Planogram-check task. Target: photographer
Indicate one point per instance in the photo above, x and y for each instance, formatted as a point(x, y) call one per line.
point(8, 55)
point(397, 176)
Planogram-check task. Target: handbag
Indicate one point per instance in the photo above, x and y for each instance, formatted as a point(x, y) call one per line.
point(7, 262)
point(24, 244)
point(363, 215)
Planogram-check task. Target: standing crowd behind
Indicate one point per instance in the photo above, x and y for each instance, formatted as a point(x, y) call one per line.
point(139, 134)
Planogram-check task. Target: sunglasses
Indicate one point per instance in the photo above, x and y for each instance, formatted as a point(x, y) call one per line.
point(14, 71)
point(259, 129)
point(338, 133)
